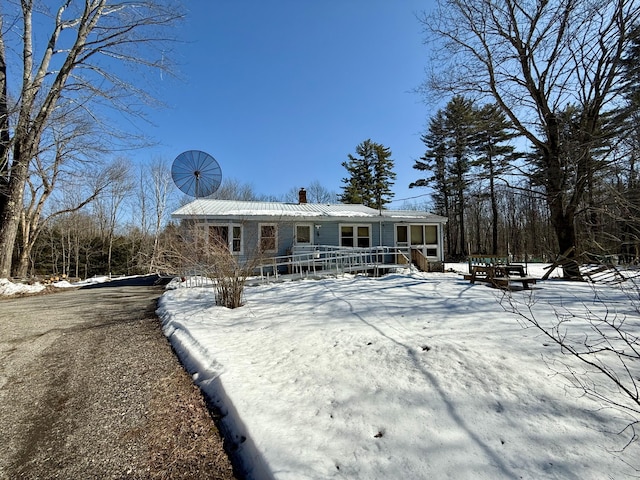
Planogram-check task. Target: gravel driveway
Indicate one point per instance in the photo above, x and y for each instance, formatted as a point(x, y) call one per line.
point(90, 388)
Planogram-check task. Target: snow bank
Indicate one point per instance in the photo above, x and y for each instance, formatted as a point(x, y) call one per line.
point(9, 288)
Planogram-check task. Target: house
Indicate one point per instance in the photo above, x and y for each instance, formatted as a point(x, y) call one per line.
point(278, 229)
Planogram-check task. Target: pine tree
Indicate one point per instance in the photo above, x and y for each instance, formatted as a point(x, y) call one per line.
point(449, 142)
point(630, 142)
point(383, 176)
point(460, 125)
point(494, 156)
point(370, 176)
point(463, 140)
point(434, 165)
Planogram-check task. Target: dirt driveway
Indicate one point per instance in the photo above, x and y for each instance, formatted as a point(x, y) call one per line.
point(90, 388)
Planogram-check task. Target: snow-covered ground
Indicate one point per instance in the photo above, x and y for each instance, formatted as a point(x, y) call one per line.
point(408, 376)
point(8, 288)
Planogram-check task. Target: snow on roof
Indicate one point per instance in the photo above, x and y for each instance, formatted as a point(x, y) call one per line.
point(204, 207)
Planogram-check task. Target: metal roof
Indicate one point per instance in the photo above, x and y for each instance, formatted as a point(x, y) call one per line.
point(235, 209)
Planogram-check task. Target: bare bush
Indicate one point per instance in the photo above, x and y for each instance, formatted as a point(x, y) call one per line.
point(191, 251)
point(604, 338)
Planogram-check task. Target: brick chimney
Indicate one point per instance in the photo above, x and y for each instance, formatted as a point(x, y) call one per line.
point(302, 196)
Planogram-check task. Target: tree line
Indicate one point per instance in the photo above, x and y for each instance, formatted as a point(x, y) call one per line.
point(562, 77)
point(533, 154)
point(61, 80)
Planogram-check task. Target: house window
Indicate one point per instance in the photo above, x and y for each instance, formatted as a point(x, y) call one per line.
point(236, 241)
point(423, 237)
point(364, 237)
point(268, 237)
point(430, 234)
point(219, 236)
point(346, 236)
point(417, 235)
point(303, 234)
point(422, 234)
point(402, 236)
point(355, 236)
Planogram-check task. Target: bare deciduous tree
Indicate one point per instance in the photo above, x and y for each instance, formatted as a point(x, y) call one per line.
point(233, 189)
point(316, 193)
point(161, 186)
point(66, 157)
point(108, 205)
point(534, 59)
point(79, 65)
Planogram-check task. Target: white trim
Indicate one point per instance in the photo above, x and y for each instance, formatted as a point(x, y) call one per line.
point(311, 233)
point(230, 232)
point(424, 247)
point(355, 226)
point(275, 236)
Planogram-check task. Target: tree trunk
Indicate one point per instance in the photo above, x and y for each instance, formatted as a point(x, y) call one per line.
point(8, 230)
point(463, 240)
point(447, 226)
point(562, 213)
point(10, 215)
point(494, 210)
point(29, 237)
point(4, 125)
point(22, 268)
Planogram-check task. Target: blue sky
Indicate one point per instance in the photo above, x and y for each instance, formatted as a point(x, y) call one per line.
point(280, 92)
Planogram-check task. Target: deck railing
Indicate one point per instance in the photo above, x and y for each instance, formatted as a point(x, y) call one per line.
point(325, 258)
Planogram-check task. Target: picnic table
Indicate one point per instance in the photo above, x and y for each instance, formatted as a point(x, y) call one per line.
point(502, 275)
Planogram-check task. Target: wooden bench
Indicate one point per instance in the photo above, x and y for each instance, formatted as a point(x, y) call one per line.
point(497, 271)
point(482, 267)
point(506, 282)
point(480, 273)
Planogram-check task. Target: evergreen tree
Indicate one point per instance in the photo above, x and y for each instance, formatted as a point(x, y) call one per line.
point(464, 143)
point(460, 124)
point(370, 176)
point(494, 156)
point(434, 165)
point(383, 176)
point(630, 142)
point(631, 63)
point(449, 156)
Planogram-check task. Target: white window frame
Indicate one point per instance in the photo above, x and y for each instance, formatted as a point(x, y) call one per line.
point(423, 246)
point(355, 227)
point(295, 234)
point(230, 226)
point(275, 237)
point(407, 242)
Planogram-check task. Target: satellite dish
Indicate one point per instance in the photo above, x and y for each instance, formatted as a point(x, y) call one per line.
point(196, 173)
